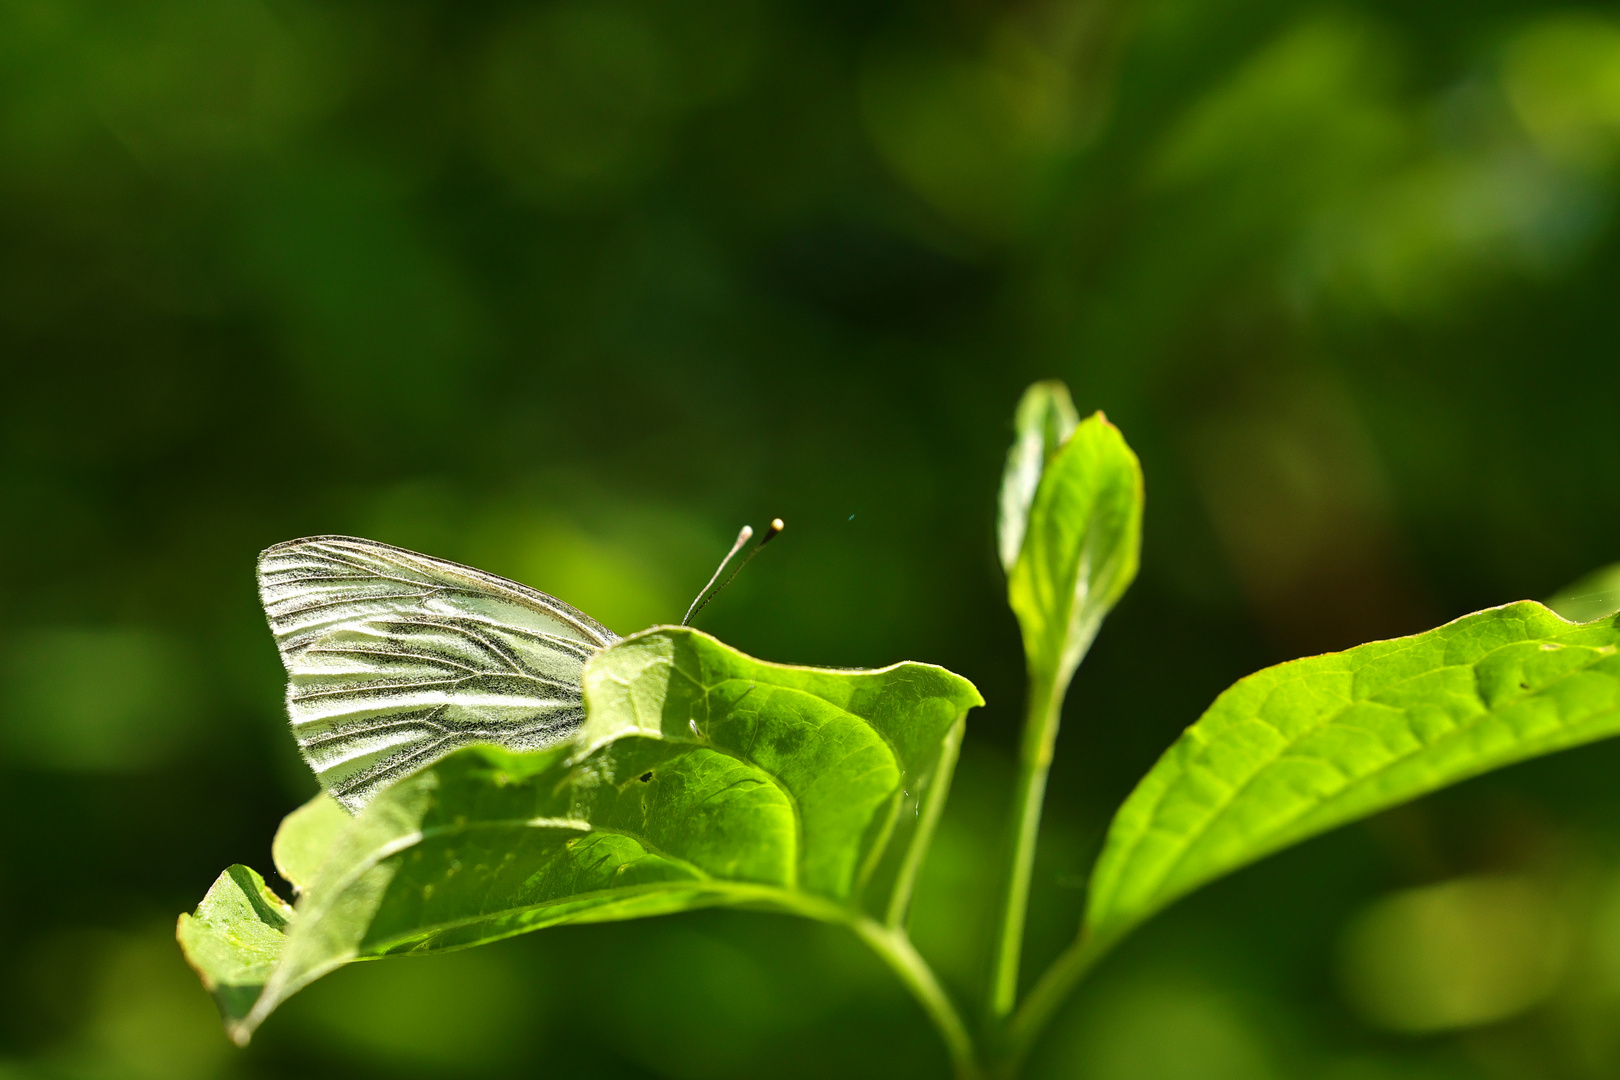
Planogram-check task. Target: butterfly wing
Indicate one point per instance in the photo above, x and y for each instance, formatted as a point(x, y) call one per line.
point(395, 659)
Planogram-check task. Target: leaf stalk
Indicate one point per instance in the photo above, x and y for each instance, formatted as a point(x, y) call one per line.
point(894, 948)
point(1050, 991)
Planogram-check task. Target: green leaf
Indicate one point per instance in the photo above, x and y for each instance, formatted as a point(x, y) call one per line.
point(305, 836)
point(1593, 596)
point(235, 939)
point(701, 777)
point(1078, 555)
point(1043, 423)
point(1080, 551)
point(1300, 748)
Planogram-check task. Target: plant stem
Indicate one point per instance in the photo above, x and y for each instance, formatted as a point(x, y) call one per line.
point(895, 949)
point(1045, 705)
point(1049, 992)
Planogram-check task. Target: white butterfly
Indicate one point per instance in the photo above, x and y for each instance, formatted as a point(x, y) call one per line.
point(395, 659)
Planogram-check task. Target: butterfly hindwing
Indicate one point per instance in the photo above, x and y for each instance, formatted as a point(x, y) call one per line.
point(395, 659)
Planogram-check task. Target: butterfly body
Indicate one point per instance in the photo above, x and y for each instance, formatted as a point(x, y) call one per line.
point(395, 659)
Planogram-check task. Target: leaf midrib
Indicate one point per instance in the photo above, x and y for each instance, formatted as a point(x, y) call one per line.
point(529, 823)
point(807, 904)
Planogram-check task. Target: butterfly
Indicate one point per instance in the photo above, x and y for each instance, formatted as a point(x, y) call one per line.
point(395, 659)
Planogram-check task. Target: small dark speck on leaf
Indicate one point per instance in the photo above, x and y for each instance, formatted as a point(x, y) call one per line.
point(1524, 686)
point(645, 777)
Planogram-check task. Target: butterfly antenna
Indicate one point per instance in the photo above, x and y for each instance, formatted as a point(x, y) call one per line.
point(743, 537)
point(710, 591)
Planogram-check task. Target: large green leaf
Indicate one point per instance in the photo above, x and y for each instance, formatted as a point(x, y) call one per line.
point(702, 776)
point(1080, 549)
point(1299, 748)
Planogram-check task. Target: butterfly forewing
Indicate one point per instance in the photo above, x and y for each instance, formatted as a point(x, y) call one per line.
point(395, 659)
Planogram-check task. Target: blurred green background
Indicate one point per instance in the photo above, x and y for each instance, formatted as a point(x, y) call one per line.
point(571, 290)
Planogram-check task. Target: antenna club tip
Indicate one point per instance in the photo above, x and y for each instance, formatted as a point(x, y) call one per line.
point(709, 591)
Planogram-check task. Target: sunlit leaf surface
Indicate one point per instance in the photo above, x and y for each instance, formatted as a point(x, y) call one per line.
point(1080, 550)
point(305, 836)
point(1592, 596)
point(1299, 748)
point(1043, 423)
point(235, 939)
point(702, 777)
